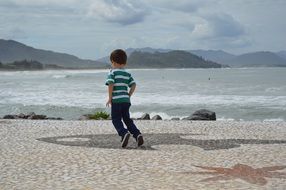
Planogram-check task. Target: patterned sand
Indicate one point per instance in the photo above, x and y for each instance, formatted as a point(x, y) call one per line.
point(177, 155)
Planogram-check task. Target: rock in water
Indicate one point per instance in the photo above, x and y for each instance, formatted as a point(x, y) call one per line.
point(10, 117)
point(203, 114)
point(31, 115)
point(146, 116)
point(37, 117)
point(157, 117)
point(22, 116)
point(54, 118)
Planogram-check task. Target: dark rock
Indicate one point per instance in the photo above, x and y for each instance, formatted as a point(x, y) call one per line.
point(145, 116)
point(195, 117)
point(31, 114)
point(22, 116)
point(37, 117)
point(157, 117)
point(203, 114)
point(175, 119)
point(10, 117)
point(54, 118)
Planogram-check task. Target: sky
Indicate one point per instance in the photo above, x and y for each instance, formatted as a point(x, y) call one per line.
point(91, 29)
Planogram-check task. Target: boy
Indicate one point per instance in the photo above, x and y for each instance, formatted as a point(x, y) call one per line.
point(118, 81)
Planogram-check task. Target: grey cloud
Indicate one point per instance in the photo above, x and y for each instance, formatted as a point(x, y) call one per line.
point(224, 25)
point(46, 7)
point(124, 12)
point(182, 5)
point(216, 26)
point(217, 31)
point(38, 3)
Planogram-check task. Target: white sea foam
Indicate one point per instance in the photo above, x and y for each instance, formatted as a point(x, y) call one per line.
point(178, 99)
point(164, 116)
point(275, 89)
point(225, 119)
point(60, 76)
point(273, 120)
point(169, 93)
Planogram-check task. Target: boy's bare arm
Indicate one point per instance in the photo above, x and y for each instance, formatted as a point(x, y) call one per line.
point(110, 89)
point(132, 89)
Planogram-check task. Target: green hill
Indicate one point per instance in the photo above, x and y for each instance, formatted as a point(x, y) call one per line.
point(172, 59)
point(11, 51)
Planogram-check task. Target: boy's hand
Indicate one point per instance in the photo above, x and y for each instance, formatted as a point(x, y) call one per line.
point(108, 103)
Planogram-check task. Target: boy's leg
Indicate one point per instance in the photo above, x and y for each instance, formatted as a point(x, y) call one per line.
point(128, 121)
point(116, 115)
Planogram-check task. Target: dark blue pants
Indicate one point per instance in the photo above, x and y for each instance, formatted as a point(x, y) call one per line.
point(120, 111)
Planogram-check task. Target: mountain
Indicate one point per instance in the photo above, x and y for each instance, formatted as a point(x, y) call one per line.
point(11, 51)
point(131, 50)
point(218, 56)
point(213, 55)
point(254, 59)
point(172, 59)
point(257, 59)
point(147, 50)
point(282, 54)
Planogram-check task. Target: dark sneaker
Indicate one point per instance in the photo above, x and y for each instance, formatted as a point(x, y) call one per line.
point(140, 140)
point(124, 141)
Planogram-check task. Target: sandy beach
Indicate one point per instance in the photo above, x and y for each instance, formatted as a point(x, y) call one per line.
point(177, 155)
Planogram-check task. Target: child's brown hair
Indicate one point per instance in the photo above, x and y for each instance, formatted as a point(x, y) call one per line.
point(118, 56)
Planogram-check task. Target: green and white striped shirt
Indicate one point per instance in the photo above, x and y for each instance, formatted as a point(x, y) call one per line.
point(121, 80)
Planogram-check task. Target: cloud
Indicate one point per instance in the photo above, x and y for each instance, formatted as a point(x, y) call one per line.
point(35, 3)
point(102, 25)
point(225, 25)
point(36, 8)
point(182, 5)
point(209, 31)
point(124, 12)
point(218, 25)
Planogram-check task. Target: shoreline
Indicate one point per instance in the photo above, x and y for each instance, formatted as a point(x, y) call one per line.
point(107, 69)
point(85, 115)
point(274, 120)
point(136, 116)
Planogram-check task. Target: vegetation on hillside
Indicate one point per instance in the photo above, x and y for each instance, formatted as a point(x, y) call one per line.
point(27, 65)
point(172, 59)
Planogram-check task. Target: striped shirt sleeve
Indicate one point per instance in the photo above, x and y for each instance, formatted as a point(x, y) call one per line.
point(110, 79)
point(131, 81)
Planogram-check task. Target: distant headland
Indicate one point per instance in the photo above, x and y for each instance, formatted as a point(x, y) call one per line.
point(17, 56)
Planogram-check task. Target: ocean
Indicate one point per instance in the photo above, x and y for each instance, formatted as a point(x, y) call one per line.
point(240, 94)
